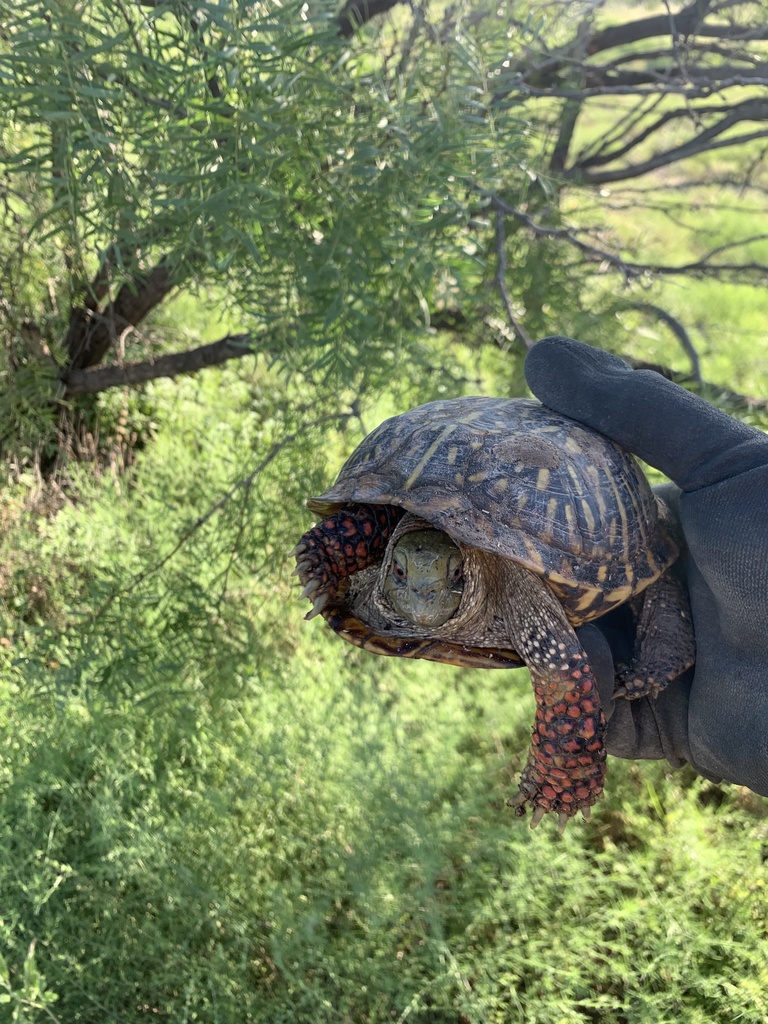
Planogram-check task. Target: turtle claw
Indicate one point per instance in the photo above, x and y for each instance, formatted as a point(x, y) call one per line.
point(320, 603)
point(537, 815)
point(632, 684)
point(309, 590)
point(519, 800)
point(298, 550)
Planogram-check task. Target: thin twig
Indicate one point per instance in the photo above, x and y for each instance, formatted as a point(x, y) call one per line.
point(245, 484)
point(501, 273)
point(631, 270)
point(567, 235)
point(677, 329)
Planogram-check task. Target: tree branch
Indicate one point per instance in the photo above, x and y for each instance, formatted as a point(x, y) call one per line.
point(91, 332)
point(501, 273)
point(92, 381)
point(749, 110)
point(630, 270)
point(355, 13)
point(677, 329)
point(685, 23)
point(701, 144)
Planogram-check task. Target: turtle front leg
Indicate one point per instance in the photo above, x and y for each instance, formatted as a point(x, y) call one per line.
point(566, 762)
point(340, 545)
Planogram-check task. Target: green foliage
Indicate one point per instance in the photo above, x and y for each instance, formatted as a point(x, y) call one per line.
point(329, 198)
point(211, 810)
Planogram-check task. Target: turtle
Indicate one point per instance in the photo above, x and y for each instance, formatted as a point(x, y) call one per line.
point(481, 532)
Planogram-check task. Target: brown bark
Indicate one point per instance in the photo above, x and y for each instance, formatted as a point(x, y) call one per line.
point(355, 13)
point(92, 331)
point(91, 381)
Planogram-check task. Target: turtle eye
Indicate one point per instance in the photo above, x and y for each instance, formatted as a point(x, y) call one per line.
point(457, 573)
point(398, 571)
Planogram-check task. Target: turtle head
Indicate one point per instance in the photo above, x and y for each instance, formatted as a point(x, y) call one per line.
point(424, 577)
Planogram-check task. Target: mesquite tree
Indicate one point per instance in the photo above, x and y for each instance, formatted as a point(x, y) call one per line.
point(339, 180)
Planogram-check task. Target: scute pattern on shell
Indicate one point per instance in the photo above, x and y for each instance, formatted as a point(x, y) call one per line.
point(513, 478)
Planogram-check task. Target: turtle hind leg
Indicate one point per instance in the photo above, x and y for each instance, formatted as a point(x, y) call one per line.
point(664, 643)
point(346, 542)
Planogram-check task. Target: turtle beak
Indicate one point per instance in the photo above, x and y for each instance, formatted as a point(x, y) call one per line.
point(429, 605)
point(425, 605)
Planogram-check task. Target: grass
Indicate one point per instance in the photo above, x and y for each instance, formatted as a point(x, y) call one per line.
point(212, 811)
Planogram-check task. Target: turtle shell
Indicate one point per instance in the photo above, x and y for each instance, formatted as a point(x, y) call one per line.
point(514, 478)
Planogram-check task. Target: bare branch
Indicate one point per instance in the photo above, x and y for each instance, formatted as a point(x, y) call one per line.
point(96, 379)
point(701, 144)
point(355, 13)
point(667, 88)
point(501, 273)
point(630, 270)
point(685, 23)
point(592, 252)
point(749, 110)
point(677, 329)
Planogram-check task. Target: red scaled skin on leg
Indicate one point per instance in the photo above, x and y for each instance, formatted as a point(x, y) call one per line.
point(566, 763)
point(350, 540)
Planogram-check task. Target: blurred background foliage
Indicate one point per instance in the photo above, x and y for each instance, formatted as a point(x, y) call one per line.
point(210, 810)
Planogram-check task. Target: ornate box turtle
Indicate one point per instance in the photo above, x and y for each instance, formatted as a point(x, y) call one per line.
point(480, 532)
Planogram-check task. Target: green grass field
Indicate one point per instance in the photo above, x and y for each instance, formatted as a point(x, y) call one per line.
point(213, 811)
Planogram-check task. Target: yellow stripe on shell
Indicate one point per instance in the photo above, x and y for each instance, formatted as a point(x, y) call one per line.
point(573, 530)
point(587, 600)
point(552, 507)
point(534, 555)
point(618, 595)
point(619, 504)
point(587, 513)
point(436, 444)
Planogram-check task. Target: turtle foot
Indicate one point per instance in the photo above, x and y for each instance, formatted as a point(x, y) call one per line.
point(632, 684)
point(334, 548)
point(317, 571)
point(566, 762)
point(556, 796)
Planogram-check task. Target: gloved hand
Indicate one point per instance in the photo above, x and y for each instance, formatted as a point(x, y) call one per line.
point(716, 715)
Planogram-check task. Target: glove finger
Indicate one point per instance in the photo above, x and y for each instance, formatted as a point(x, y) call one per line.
point(668, 427)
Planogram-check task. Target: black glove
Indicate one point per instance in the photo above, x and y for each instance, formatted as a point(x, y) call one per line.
point(715, 716)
